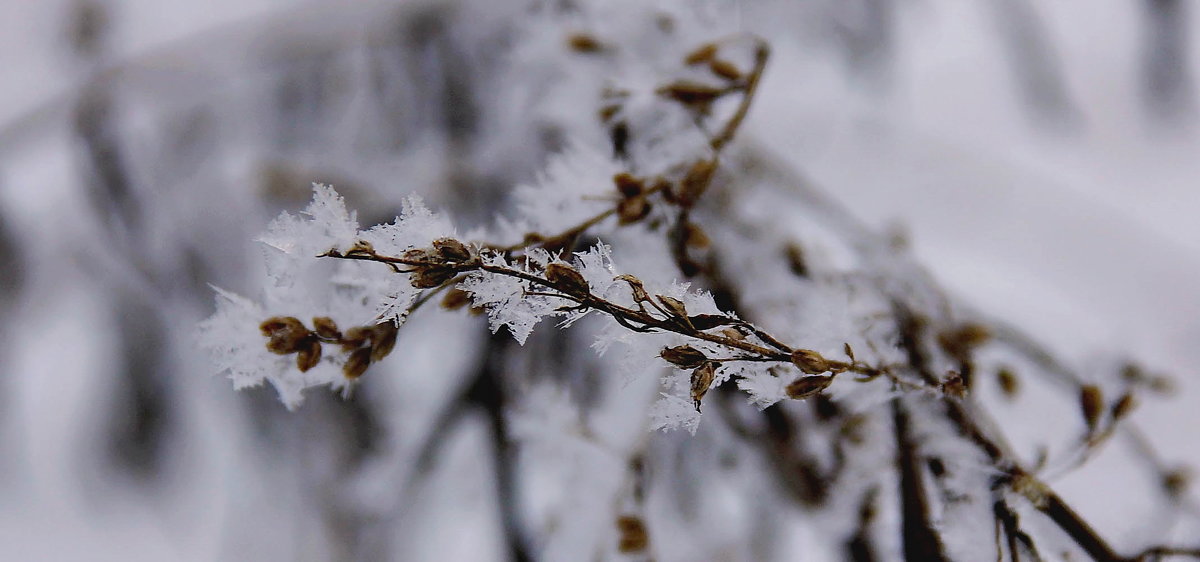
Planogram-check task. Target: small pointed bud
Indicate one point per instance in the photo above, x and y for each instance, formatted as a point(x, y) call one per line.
point(326, 328)
point(608, 112)
point(309, 356)
point(810, 361)
point(703, 53)
point(566, 279)
point(1176, 482)
point(1091, 403)
point(805, 387)
point(954, 385)
point(383, 340)
point(724, 69)
point(849, 351)
point(357, 363)
point(684, 356)
point(702, 378)
point(451, 249)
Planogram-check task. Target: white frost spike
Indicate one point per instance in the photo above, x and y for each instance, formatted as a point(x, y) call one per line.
point(329, 226)
point(416, 227)
point(673, 411)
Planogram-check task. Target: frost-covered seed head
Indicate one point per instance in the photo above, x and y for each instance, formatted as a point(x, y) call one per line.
point(309, 356)
point(566, 279)
point(684, 356)
point(452, 250)
point(326, 328)
point(810, 361)
point(702, 378)
point(805, 387)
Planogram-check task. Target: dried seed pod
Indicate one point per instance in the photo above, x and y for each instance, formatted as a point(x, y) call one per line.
point(635, 285)
point(849, 351)
point(703, 53)
point(279, 323)
point(430, 277)
point(451, 249)
point(383, 340)
point(695, 182)
point(733, 334)
point(810, 361)
point(1010, 385)
point(1123, 406)
point(709, 321)
point(673, 305)
point(424, 255)
point(694, 236)
point(309, 356)
point(584, 43)
point(1177, 481)
point(628, 185)
point(702, 378)
point(633, 536)
point(357, 363)
point(724, 69)
point(287, 335)
point(1091, 402)
point(684, 356)
point(455, 299)
point(805, 387)
point(356, 337)
point(326, 328)
point(566, 279)
point(608, 112)
point(954, 385)
point(796, 260)
point(692, 94)
point(632, 209)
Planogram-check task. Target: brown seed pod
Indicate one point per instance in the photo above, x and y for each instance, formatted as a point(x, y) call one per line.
point(684, 356)
point(628, 184)
point(455, 299)
point(702, 378)
point(1123, 406)
point(724, 69)
point(695, 95)
point(633, 536)
point(632, 209)
point(566, 279)
point(287, 334)
point(694, 236)
point(326, 328)
point(954, 385)
point(805, 387)
point(796, 260)
point(451, 249)
point(635, 285)
point(810, 361)
point(1010, 385)
point(357, 363)
point(425, 255)
point(584, 43)
point(695, 182)
point(383, 340)
point(356, 337)
point(608, 112)
point(849, 351)
point(431, 276)
point(309, 356)
point(1091, 403)
point(673, 305)
point(709, 321)
point(703, 53)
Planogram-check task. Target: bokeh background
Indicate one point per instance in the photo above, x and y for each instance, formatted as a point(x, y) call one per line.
point(1041, 158)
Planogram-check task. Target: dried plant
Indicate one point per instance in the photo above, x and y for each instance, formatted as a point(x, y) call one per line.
point(866, 378)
